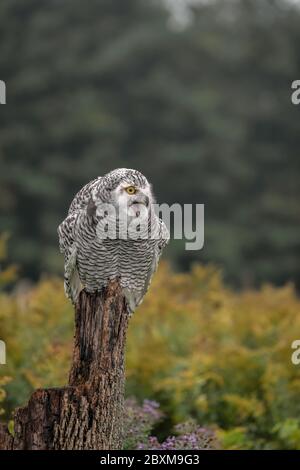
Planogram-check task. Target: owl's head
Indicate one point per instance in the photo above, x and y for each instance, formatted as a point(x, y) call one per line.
point(129, 191)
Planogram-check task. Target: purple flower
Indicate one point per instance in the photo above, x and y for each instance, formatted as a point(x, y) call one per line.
point(141, 419)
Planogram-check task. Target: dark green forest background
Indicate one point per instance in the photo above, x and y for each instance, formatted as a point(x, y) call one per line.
point(203, 109)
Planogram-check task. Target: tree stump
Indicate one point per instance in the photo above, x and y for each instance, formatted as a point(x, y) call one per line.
point(88, 413)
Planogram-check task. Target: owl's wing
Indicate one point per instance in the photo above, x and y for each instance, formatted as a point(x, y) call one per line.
point(162, 240)
point(67, 244)
point(67, 234)
point(164, 236)
point(83, 196)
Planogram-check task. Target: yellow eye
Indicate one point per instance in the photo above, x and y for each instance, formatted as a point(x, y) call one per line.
point(131, 190)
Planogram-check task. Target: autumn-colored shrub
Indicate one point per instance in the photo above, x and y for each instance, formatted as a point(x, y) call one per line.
point(203, 351)
point(221, 357)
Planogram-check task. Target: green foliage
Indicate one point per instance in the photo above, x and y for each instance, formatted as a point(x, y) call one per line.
point(201, 350)
point(204, 112)
point(3, 381)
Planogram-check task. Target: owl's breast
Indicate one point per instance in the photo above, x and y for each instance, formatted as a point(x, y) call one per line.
point(102, 260)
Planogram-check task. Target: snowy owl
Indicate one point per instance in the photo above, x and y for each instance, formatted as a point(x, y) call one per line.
point(112, 232)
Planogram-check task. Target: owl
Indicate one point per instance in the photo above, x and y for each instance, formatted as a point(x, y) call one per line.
point(112, 232)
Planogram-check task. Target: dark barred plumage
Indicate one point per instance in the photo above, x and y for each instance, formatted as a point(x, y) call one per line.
point(91, 260)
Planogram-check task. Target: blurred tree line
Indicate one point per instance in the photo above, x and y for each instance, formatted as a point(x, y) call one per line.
point(203, 110)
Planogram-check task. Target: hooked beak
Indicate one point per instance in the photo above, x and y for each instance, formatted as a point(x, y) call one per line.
point(137, 203)
point(141, 199)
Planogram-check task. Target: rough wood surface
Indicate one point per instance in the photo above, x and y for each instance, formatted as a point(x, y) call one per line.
point(88, 413)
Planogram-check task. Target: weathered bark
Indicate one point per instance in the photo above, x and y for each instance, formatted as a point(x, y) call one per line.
point(88, 413)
